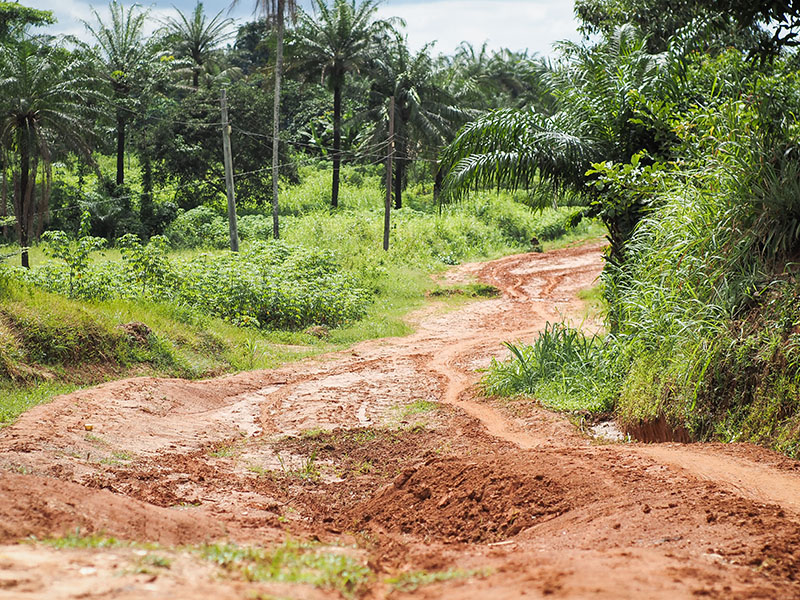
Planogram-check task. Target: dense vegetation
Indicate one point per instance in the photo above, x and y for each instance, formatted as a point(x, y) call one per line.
point(694, 167)
point(673, 124)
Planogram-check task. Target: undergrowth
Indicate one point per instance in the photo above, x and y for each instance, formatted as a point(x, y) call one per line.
point(702, 321)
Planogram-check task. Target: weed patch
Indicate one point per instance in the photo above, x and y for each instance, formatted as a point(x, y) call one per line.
point(292, 562)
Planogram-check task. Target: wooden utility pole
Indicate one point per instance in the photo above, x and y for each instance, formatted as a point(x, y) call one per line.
point(226, 149)
point(276, 115)
point(389, 156)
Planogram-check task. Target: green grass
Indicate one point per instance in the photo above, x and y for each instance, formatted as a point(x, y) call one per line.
point(418, 407)
point(292, 562)
point(586, 230)
point(410, 581)
point(78, 540)
point(16, 400)
point(564, 369)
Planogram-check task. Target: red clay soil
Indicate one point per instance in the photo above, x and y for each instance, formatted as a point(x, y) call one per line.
point(387, 452)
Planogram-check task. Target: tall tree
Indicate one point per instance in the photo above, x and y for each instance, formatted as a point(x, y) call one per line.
point(198, 39)
point(337, 41)
point(15, 18)
point(277, 11)
point(124, 55)
point(45, 98)
point(760, 27)
point(602, 115)
point(426, 115)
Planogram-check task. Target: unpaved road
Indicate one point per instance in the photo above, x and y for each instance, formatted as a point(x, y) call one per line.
point(388, 455)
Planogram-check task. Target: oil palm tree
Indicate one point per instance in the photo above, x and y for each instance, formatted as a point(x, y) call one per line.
point(123, 54)
point(277, 11)
point(197, 39)
point(426, 115)
point(600, 115)
point(337, 41)
point(46, 99)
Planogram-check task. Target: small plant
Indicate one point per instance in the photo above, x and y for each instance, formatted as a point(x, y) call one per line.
point(292, 562)
point(222, 451)
point(74, 252)
point(412, 580)
point(148, 561)
point(418, 407)
point(307, 470)
point(147, 265)
point(78, 540)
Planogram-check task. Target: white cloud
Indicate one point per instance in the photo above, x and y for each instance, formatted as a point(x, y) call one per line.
point(515, 24)
point(70, 14)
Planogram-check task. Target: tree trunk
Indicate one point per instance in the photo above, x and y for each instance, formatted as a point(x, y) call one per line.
point(21, 204)
point(146, 204)
point(4, 201)
point(276, 116)
point(438, 179)
point(399, 171)
point(337, 142)
point(120, 149)
point(195, 77)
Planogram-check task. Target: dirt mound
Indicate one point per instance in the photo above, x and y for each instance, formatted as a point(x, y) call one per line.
point(43, 507)
point(481, 499)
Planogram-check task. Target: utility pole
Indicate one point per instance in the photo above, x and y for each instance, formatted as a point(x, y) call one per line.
point(276, 116)
point(389, 156)
point(226, 149)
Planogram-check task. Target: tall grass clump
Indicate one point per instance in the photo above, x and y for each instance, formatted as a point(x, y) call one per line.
point(564, 368)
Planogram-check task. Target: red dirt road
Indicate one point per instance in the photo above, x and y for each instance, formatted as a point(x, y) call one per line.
point(388, 454)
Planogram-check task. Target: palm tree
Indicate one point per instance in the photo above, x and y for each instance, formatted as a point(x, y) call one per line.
point(45, 98)
point(198, 39)
point(339, 41)
point(124, 55)
point(426, 116)
point(599, 116)
point(276, 10)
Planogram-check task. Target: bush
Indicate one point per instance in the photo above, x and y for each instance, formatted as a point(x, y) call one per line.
point(272, 285)
point(198, 227)
point(563, 368)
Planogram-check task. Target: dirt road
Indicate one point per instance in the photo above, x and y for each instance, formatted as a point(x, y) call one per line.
point(392, 476)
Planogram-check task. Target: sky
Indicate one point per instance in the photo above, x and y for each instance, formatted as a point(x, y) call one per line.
point(531, 25)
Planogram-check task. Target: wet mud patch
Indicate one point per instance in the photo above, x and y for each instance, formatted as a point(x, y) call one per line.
point(480, 499)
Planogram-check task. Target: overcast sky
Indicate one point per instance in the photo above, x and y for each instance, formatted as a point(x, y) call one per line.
point(516, 24)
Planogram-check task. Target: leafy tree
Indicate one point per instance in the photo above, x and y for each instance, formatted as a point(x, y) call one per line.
point(761, 28)
point(197, 39)
point(15, 18)
point(45, 97)
point(276, 10)
point(603, 115)
point(338, 41)
point(186, 150)
point(124, 57)
point(497, 79)
point(251, 50)
point(426, 116)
